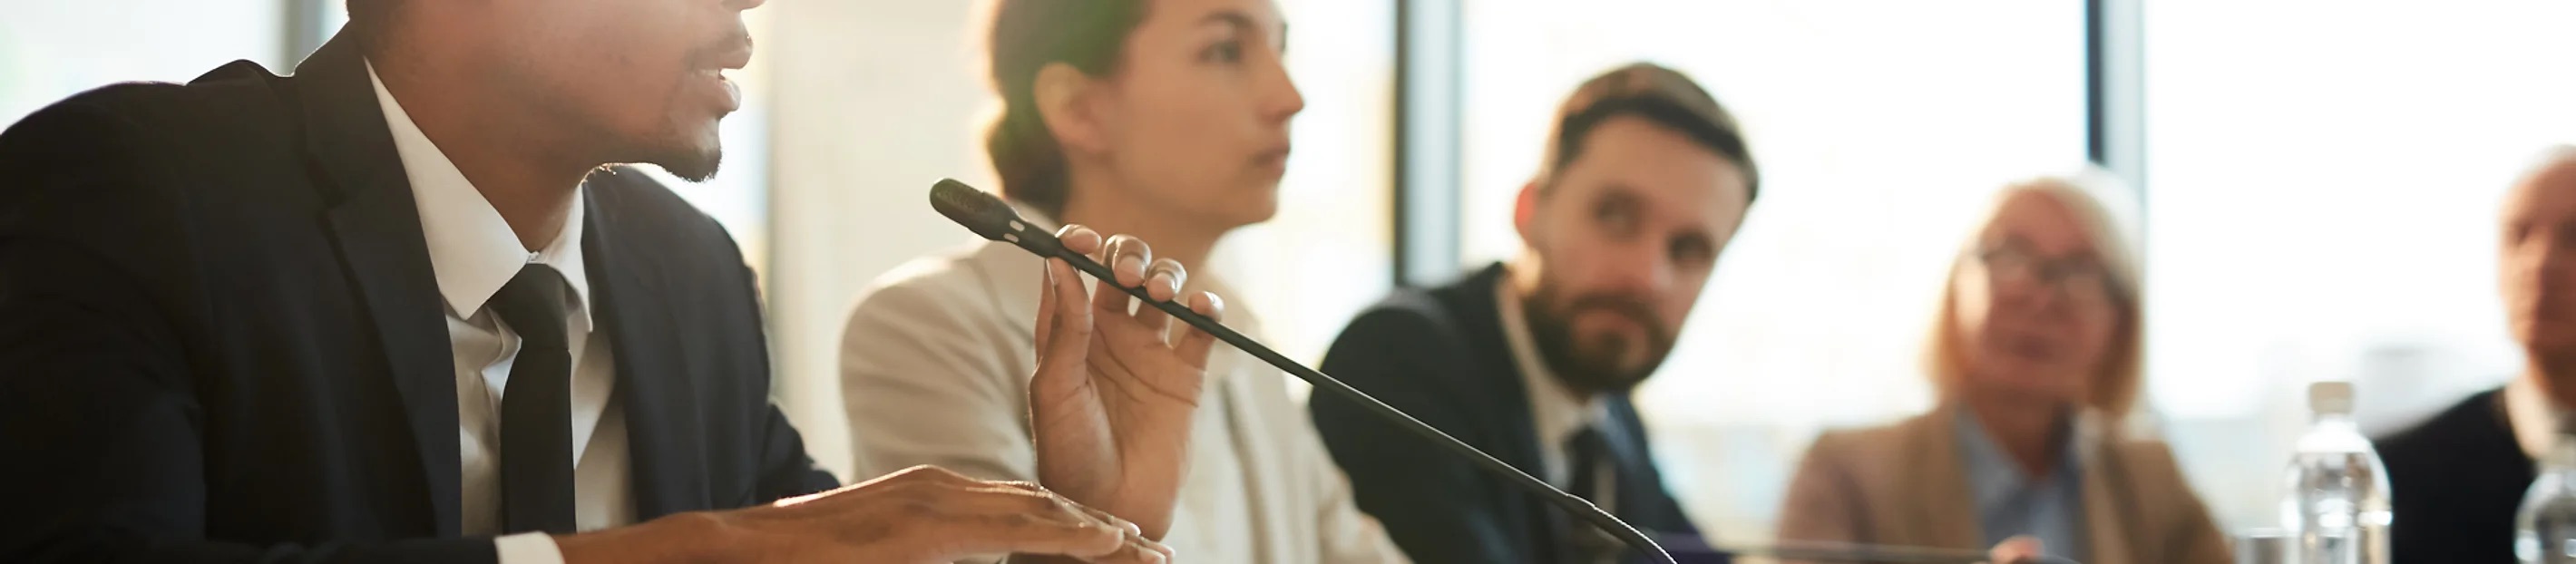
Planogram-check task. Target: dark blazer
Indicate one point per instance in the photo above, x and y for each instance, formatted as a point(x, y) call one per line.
point(1440, 355)
point(220, 340)
point(2456, 481)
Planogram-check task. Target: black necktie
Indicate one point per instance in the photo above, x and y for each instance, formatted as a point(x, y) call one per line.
point(1587, 453)
point(536, 406)
point(1590, 468)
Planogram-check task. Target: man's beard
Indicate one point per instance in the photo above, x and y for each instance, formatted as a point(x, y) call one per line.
point(694, 164)
point(694, 160)
point(1593, 366)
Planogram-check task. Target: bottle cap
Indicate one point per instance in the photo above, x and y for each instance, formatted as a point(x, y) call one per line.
point(2331, 397)
point(2264, 546)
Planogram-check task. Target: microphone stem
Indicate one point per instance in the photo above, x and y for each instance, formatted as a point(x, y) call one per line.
point(1570, 503)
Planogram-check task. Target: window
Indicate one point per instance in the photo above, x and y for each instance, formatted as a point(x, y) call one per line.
point(2324, 187)
point(1326, 255)
point(1881, 126)
point(52, 50)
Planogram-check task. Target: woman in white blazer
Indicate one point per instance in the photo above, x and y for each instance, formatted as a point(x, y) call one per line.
point(1165, 119)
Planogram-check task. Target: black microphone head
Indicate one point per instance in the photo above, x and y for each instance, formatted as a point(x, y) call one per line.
point(988, 216)
point(976, 209)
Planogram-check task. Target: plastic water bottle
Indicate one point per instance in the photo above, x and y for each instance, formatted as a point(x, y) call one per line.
point(2337, 509)
point(2545, 530)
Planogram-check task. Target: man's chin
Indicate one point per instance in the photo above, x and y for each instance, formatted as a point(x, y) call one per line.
point(1596, 374)
point(697, 165)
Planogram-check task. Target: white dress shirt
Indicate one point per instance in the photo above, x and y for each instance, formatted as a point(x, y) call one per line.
point(1554, 411)
point(935, 366)
point(473, 252)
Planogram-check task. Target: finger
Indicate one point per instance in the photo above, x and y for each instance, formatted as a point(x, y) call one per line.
point(1128, 256)
point(1140, 550)
point(1136, 549)
point(1046, 300)
point(1081, 240)
point(1042, 499)
point(1109, 299)
point(1163, 282)
point(1023, 534)
point(1070, 317)
point(1032, 487)
point(1196, 344)
point(1139, 540)
point(1068, 333)
point(2024, 548)
point(1103, 517)
point(1026, 521)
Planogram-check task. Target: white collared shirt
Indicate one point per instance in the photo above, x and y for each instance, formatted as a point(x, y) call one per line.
point(473, 252)
point(1555, 413)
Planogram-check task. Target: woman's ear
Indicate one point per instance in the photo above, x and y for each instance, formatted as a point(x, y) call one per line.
point(1064, 101)
point(1525, 213)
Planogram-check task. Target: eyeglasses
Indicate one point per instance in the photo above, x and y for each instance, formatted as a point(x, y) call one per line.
point(2016, 269)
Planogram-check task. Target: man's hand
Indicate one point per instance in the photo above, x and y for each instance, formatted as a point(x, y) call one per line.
point(921, 515)
point(2016, 550)
point(1114, 391)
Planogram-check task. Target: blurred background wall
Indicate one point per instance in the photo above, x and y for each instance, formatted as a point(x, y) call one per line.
point(2316, 181)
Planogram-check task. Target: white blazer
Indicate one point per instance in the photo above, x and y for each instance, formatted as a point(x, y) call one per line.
point(935, 367)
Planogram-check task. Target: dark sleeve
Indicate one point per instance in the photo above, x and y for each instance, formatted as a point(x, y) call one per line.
point(786, 470)
point(1436, 508)
point(1667, 517)
point(2417, 536)
point(99, 426)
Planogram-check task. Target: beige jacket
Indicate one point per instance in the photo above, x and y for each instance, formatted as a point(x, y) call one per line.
point(1904, 484)
point(934, 370)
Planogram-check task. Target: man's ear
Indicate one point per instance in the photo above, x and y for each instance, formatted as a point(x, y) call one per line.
point(1063, 95)
point(1525, 213)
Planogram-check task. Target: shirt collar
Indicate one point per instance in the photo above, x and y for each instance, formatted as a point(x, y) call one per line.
point(2532, 416)
point(1555, 411)
point(472, 250)
point(1994, 477)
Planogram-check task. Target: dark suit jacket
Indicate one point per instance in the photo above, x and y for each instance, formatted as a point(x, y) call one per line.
point(1440, 355)
point(2456, 482)
point(220, 340)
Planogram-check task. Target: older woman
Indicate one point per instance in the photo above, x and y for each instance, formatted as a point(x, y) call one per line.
point(2036, 355)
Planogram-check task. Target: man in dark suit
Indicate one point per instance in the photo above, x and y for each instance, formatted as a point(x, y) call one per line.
point(385, 311)
point(2458, 478)
point(1533, 360)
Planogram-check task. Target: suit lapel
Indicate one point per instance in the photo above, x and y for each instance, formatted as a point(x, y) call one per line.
point(2106, 528)
point(1945, 511)
point(664, 449)
point(378, 234)
point(1507, 408)
point(1638, 495)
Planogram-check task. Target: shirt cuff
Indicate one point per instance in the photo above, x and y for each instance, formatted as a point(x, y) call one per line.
point(528, 548)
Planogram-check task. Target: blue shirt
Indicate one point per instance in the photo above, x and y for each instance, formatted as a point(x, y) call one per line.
point(2012, 503)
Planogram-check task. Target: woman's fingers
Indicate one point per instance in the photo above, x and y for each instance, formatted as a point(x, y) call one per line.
point(1046, 301)
point(1081, 240)
point(1128, 256)
point(1163, 281)
point(1127, 259)
point(1196, 343)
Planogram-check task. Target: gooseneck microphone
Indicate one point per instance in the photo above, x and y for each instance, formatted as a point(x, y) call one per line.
point(990, 217)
